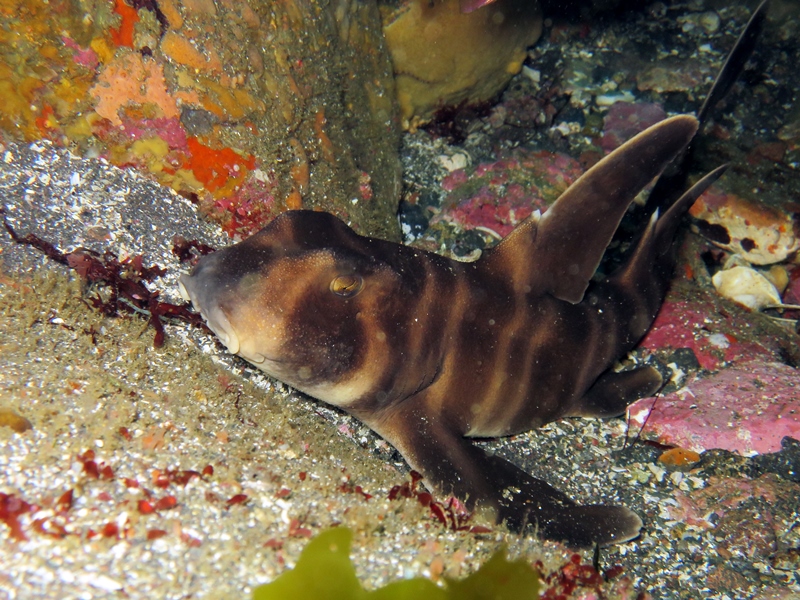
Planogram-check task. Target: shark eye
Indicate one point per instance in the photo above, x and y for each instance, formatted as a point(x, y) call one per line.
point(347, 286)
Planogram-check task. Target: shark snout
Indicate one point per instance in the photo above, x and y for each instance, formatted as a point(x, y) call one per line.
point(196, 288)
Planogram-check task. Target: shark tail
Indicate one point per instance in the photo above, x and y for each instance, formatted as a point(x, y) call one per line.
point(675, 176)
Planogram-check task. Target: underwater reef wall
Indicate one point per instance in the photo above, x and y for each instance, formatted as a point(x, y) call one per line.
point(248, 108)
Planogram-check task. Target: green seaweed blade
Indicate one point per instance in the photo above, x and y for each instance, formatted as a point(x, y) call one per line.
point(498, 579)
point(410, 589)
point(324, 572)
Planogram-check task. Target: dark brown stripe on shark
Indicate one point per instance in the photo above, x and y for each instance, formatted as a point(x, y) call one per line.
point(313, 342)
point(410, 323)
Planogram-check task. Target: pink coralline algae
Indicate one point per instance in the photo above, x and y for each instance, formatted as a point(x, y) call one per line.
point(499, 195)
point(625, 119)
point(170, 130)
point(454, 180)
point(485, 210)
point(249, 209)
point(714, 339)
point(747, 409)
point(365, 185)
point(83, 56)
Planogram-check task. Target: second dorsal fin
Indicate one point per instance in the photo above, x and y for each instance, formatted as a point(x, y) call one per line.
point(559, 251)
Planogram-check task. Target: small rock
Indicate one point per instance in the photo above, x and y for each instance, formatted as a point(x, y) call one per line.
point(672, 75)
point(609, 99)
point(774, 151)
point(762, 236)
point(747, 287)
point(445, 57)
point(10, 418)
point(787, 560)
point(725, 578)
point(778, 275)
point(452, 163)
point(625, 119)
point(709, 21)
point(721, 504)
point(704, 23)
point(746, 532)
point(746, 409)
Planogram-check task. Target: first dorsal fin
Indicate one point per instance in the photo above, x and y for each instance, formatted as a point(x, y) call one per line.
point(563, 247)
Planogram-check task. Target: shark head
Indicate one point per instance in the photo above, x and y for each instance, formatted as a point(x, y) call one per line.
point(310, 302)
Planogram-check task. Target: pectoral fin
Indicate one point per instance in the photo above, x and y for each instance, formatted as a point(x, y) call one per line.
point(452, 465)
point(611, 394)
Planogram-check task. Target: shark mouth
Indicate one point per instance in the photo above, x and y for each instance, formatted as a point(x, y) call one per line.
point(193, 291)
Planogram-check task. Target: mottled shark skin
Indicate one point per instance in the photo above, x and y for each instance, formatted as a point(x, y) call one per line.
point(429, 351)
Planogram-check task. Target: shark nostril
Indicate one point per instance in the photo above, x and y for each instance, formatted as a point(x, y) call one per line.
point(219, 323)
point(182, 288)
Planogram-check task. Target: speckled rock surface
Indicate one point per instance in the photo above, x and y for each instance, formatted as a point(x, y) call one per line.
point(749, 516)
point(748, 408)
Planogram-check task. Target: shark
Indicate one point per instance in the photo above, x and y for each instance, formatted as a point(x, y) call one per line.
point(432, 353)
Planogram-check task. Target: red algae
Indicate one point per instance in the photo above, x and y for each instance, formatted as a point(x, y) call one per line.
point(11, 508)
point(168, 129)
point(86, 57)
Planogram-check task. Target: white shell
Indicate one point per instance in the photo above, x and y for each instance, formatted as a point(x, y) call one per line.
point(747, 287)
